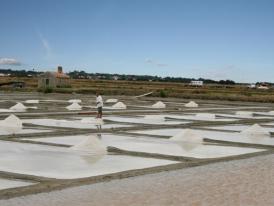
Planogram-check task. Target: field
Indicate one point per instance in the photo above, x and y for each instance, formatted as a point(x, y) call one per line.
point(159, 89)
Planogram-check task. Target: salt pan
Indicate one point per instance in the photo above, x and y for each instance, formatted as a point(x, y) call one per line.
point(244, 114)
point(155, 117)
point(32, 101)
point(75, 101)
point(111, 100)
point(205, 115)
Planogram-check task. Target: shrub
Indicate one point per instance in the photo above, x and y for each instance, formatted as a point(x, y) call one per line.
point(163, 93)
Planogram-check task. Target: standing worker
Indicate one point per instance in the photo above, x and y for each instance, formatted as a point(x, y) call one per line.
point(99, 105)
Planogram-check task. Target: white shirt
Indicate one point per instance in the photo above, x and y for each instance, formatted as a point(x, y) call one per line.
point(99, 101)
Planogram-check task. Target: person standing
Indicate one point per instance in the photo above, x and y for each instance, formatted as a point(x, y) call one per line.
point(99, 105)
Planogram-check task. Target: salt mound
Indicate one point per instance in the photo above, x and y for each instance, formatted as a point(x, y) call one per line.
point(187, 139)
point(11, 124)
point(74, 106)
point(19, 107)
point(32, 101)
point(75, 101)
point(255, 132)
point(155, 117)
point(111, 100)
point(91, 145)
point(119, 105)
point(205, 115)
point(244, 114)
point(159, 105)
point(191, 104)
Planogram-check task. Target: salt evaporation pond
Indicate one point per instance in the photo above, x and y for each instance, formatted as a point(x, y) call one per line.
point(200, 117)
point(24, 131)
point(268, 124)
point(160, 132)
point(77, 124)
point(143, 120)
point(62, 163)
point(154, 145)
point(246, 182)
point(238, 127)
point(8, 183)
point(245, 115)
point(215, 135)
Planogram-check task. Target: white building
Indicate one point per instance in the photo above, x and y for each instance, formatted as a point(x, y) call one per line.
point(196, 83)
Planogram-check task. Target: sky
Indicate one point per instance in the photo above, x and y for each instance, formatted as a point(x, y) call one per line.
point(216, 39)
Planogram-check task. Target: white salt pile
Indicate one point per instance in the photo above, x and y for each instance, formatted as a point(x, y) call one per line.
point(187, 139)
point(75, 101)
point(119, 105)
point(11, 124)
point(18, 107)
point(191, 104)
point(205, 116)
point(32, 101)
point(74, 106)
point(244, 114)
point(91, 146)
point(111, 100)
point(159, 105)
point(255, 133)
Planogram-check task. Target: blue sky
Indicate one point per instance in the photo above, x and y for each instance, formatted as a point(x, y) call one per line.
point(217, 39)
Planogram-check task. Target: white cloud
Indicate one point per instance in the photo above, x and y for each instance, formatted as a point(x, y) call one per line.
point(9, 61)
point(150, 61)
point(46, 45)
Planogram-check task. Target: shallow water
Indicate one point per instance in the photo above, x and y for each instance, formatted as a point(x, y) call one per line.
point(243, 116)
point(216, 135)
point(238, 127)
point(8, 183)
point(162, 132)
point(200, 118)
point(70, 124)
point(157, 146)
point(142, 120)
point(24, 131)
point(63, 163)
point(248, 182)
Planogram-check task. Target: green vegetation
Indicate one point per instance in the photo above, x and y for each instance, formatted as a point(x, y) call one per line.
point(159, 89)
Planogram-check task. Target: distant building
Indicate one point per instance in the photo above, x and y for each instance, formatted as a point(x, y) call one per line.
point(196, 83)
point(263, 87)
point(252, 86)
point(54, 79)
